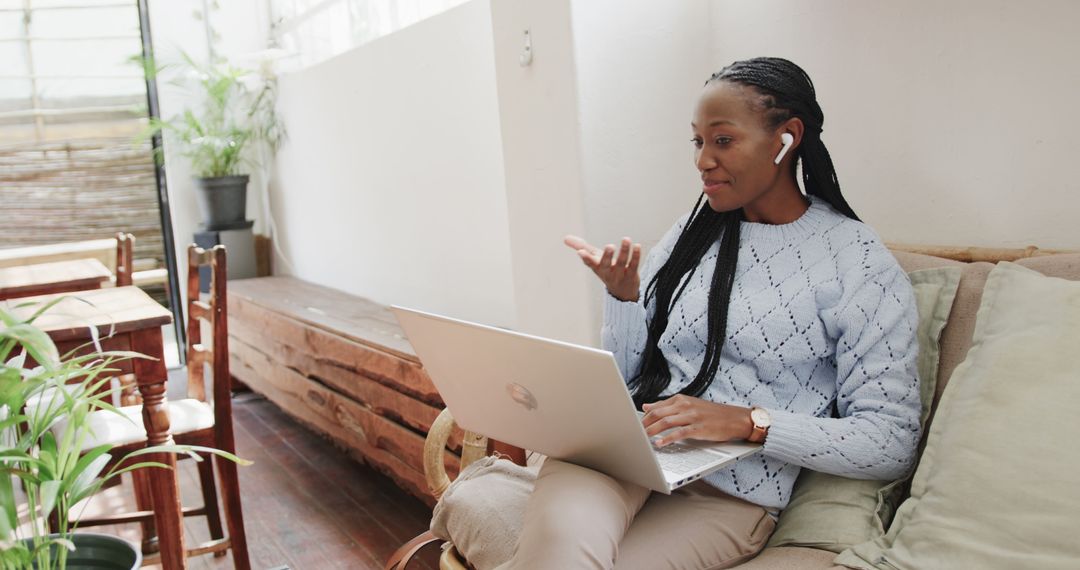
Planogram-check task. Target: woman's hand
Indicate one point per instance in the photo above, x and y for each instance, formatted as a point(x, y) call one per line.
point(696, 418)
point(618, 272)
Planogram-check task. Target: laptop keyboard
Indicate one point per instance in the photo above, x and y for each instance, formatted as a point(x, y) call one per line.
point(680, 458)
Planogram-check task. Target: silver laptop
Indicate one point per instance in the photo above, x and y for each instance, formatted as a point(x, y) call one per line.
point(565, 401)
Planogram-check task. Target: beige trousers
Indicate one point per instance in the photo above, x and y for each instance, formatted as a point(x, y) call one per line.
point(580, 518)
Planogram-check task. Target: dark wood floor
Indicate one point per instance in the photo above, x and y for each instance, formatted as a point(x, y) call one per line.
point(307, 505)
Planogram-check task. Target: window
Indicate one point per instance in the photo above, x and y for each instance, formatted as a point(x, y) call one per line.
point(67, 71)
point(72, 101)
point(318, 29)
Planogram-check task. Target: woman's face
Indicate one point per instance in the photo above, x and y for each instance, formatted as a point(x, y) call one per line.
point(733, 149)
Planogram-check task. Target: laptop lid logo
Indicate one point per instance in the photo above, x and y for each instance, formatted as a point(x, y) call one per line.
point(521, 395)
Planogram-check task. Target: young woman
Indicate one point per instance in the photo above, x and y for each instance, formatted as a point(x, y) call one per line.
point(765, 314)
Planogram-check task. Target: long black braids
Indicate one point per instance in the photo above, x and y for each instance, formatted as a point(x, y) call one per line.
point(785, 91)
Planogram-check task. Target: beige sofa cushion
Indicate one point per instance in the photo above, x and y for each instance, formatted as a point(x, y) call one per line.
point(956, 337)
point(1066, 266)
point(483, 510)
point(996, 485)
point(790, 558)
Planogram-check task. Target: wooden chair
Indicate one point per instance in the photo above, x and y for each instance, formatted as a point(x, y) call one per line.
point(125, 243)
point(195, 420)
point(473, 447)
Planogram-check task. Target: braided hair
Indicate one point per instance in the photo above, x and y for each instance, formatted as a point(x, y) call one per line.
point(785, 91)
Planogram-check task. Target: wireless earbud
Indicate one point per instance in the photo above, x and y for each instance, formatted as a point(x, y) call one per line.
point(788, 141)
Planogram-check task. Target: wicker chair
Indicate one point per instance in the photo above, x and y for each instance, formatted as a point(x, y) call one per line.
point(473, 447)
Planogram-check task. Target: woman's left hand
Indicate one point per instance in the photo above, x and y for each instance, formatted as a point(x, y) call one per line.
point(696, 418)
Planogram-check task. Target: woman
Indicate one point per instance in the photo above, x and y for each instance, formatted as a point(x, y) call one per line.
point(765, 315)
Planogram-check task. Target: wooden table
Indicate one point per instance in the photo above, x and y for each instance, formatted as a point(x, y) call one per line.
point(53, 277)
point(127, 319)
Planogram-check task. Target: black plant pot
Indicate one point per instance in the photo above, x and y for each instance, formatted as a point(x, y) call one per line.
point(222, 201)
point(100, 552)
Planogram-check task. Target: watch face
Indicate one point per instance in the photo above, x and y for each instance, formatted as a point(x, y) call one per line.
point(760, 418)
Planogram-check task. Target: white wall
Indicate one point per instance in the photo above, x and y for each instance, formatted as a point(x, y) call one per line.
point(538, 110)
point(640, 67)
point(949, 122)
point(391, 185)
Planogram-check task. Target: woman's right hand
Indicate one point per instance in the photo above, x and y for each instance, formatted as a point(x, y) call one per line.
point(619, 272)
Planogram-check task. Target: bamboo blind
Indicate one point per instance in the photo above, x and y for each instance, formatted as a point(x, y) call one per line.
point(57, 192)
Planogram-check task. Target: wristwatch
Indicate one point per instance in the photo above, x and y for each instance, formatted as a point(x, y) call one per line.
point(761, 421)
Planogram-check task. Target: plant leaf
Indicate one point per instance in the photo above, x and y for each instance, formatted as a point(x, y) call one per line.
point(10, 387)
point(86, 479)
point(35, 341)
point(27, 477)
point(190, 450)
point(7, 318)
point(64, 542)
point(41, 310)
point(49, 490)
point(16, 361)
point(133, 467)
point(9, 518)
point(17, 454)
point(84, 464)
point(47, 455)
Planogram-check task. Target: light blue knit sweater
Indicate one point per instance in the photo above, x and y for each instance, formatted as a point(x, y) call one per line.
point(821, 333)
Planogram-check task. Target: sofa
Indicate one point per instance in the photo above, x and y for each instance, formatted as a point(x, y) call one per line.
point(954, 343)
point(954, 338)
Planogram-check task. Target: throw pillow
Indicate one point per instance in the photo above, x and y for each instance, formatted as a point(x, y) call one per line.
point(483, 510)
point(996, 484)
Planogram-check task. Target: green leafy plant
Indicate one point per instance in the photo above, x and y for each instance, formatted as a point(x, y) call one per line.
point(43, 429)
point(235, 112)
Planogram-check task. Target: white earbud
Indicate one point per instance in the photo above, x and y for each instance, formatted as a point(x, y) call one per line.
point(788, 141)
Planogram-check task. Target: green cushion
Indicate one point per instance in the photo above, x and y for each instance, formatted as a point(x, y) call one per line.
point(834, 513)
point(997, 483)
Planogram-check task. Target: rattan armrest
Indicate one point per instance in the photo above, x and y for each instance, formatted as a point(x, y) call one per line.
point(473, 447)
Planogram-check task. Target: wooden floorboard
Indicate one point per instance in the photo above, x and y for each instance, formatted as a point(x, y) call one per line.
point(369, 494)
point(299, 519)
point(307, 504)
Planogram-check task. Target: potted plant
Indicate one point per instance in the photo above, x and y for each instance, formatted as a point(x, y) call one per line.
point(234, 119)
point(46, 455)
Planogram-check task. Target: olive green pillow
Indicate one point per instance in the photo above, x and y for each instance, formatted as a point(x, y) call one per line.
point(997, 483)
point(833, 513)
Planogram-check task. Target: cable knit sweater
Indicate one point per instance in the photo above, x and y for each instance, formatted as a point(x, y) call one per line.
point(821, 333)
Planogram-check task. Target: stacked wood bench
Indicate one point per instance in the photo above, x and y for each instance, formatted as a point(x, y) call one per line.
point(341, 365)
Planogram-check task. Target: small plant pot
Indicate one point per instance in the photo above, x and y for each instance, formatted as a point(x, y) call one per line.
point(222, 201)
point(100, 552)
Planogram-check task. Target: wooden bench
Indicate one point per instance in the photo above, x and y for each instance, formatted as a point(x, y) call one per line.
point(341, 365)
